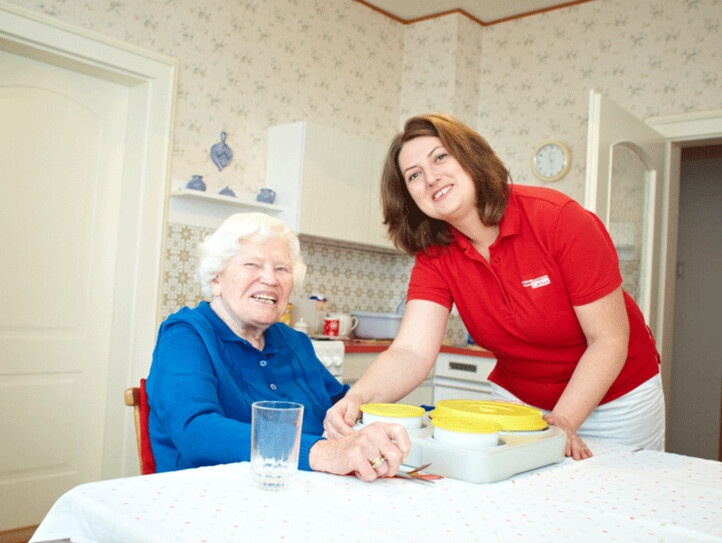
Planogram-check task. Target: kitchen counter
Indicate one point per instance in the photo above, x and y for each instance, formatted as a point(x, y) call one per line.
point(620, 494)
point(360, 353)
point(380, 345)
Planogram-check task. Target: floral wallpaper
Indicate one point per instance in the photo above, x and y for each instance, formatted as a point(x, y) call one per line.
point(652, 57)
point(442, 62)
point(247, 65)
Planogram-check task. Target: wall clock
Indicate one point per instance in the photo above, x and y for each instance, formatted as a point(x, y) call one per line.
point(551, 161)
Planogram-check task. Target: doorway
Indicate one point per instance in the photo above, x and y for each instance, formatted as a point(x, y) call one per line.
point(694, 404)
point(85, 177)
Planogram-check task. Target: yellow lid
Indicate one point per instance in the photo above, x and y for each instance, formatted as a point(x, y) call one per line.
point(467, 425)
point(396, 410)
point(512, 417)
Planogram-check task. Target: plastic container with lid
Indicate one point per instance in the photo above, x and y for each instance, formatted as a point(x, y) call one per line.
point(466, 432)
point(301, 326)
point(511, 417)
point(409, 416)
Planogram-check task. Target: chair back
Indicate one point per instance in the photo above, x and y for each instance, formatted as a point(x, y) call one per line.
point(137, 398)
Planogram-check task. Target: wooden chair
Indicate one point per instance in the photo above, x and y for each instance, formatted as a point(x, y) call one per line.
point(136, 398)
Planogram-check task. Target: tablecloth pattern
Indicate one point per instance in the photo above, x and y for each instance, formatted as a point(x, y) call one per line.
point(617, 495)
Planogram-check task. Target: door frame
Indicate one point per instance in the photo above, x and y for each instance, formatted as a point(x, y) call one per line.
point(680, 130)
point(151, 79)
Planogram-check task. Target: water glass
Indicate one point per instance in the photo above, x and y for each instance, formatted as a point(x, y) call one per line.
point(275, 442)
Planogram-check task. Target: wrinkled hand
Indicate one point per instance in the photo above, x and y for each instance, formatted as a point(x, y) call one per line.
point(341, 417)
point(576, 448)
point(354, 453)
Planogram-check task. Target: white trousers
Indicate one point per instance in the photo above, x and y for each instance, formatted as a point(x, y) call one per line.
point(635, 419)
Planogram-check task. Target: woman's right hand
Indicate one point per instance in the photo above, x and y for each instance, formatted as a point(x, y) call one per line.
point(341, 417)
point(377, 450)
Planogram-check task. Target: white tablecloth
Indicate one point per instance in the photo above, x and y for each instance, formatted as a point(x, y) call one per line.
point(617, 495)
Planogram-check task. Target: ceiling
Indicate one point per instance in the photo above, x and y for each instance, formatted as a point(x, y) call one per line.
point(485, 11)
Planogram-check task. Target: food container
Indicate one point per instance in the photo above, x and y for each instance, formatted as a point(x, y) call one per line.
point(512, 417)
point(466, 432)
point(409, 416)
point(311, 310)
point(377, 325)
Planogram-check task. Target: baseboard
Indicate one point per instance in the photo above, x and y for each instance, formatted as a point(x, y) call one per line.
point(18, 535)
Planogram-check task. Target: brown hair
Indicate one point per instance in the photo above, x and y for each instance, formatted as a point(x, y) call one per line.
point(410, 228)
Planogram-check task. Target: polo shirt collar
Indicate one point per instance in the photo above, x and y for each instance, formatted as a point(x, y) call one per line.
point(511, 221)
point(273, 339)
point(509, 225)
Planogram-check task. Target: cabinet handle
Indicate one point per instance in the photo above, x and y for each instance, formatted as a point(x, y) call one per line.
point(471, 368)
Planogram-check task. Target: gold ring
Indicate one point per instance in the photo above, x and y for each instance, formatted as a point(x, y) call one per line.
point(377, 462)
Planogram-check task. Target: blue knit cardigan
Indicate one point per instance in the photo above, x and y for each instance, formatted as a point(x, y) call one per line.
point(204, 378)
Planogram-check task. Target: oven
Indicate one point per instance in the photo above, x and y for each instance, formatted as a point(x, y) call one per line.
point(462, 377)
point(331, 354)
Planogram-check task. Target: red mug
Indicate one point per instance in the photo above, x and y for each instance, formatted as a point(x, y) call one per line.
point(330, 327)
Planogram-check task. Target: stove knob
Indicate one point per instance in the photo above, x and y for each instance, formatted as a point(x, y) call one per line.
point(326, 361)
point(337, 361)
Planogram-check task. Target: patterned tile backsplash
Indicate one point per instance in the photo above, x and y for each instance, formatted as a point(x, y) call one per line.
point(351, 279)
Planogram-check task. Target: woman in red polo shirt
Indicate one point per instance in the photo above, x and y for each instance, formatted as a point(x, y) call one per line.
point(536, 280)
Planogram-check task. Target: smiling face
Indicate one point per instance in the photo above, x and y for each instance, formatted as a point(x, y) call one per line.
point(439, 186)
point(252, 291)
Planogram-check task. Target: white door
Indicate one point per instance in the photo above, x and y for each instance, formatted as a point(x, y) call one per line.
point(61, 157)
point(625, 169)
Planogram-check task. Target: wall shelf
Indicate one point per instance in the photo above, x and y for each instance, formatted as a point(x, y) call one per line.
point(240, 200)
point(199, 208)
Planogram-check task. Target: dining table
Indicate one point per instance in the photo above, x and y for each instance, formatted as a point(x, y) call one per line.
point(619, 494)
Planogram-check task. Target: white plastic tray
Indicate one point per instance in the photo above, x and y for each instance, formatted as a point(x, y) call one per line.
point(515, 453)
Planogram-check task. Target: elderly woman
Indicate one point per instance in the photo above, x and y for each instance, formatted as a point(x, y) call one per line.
point(212, 362)
point(536, 280)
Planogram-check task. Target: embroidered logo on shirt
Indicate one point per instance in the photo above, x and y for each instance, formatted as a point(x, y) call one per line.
point(536, 283)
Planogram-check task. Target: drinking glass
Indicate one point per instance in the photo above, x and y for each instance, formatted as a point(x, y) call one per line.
point(275, 442)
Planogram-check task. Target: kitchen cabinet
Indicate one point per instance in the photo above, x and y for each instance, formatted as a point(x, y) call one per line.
point(355, 364)
point(327, 182)
point(462, 377)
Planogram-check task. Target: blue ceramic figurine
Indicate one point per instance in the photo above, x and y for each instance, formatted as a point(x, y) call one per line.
point(221, 154)
point(266, 196)
point(196, 183)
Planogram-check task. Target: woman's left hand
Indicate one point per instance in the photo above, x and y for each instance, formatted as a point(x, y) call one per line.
point(377, 450)
point(576, 448)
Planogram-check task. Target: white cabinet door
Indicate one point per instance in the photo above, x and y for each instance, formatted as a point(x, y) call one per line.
point(327, 182)
point(625, 170)
point(334, 192)
point(377, 232)
point(453, 389)
point(462, 377)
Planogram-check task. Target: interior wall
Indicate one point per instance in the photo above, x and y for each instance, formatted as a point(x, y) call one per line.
point(652, 57)
point(441, 68)
point(694, 411)
point(246, 66)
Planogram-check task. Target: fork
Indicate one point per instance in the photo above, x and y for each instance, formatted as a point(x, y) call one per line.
point(414, 475)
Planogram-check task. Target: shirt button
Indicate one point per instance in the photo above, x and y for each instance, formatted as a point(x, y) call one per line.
point(503, 301)
point(263, 363)
point(496, 259)
point(273, 387)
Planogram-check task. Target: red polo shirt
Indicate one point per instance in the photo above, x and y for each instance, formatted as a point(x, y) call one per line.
point(551, 254)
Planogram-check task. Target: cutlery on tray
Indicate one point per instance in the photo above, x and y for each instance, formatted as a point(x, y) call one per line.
point(416, 475)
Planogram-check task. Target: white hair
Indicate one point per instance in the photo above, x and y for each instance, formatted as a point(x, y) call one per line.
point(236, 231)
